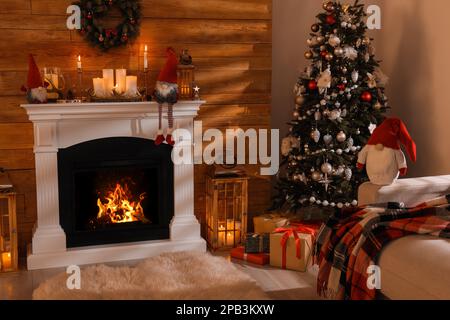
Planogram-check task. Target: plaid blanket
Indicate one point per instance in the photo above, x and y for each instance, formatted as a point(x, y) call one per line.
point(350, 242)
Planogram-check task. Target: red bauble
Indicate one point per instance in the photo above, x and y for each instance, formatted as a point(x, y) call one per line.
point(124, 38)
point(89, 16)
point(312, 85)
point(341, 87)
point(366, 96)
point(323, 54)
point(330, 19)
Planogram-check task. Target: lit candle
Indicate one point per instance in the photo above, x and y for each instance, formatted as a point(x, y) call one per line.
point(108, 78)
point(79, 62)
point(221, 235)
point(131, 84)
point(99, 87)
point(230, 239)
point(145, 57)
point(121, 75)
point(6, 260)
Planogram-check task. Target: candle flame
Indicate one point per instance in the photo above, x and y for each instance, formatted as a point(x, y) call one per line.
point(79, 58)
point(145, 48)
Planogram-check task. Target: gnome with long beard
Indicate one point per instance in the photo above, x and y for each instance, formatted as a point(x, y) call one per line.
point(35, 90)
point(382, 155)
point(166, 92)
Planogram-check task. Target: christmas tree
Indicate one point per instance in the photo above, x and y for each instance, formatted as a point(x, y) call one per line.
point(338, 100)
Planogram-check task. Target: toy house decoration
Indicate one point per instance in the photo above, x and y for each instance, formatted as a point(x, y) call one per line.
point(226, 211)
point(8, 225)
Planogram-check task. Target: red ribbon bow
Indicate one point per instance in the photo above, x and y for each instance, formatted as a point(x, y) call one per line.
point(287, 232)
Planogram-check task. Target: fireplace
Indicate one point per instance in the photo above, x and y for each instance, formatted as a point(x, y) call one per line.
point(104, 191)
point(115, 190)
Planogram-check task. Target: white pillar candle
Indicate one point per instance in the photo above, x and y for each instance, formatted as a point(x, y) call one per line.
point(131, 84)
point(99, 87)
point(108, 78)
point(121, 75)
point(145, 58)
point(79, 62)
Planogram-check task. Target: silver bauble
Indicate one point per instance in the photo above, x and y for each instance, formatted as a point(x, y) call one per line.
point(326, 168)
point(350, 142)
point(339, 152)
point(325, 203)
point(348, 174)
point(354, 203)
point(315, 135)
point(327, 139)
point(355, 76)
point(312, 199)
point(296, 114)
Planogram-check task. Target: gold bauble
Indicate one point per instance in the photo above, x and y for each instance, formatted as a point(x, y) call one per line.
point(308, 55)
point(329, 57)
point(377, 106)
point(316, 176)
point(320, 39)
point(339, 52)
point(299, 100)
point(315, 27)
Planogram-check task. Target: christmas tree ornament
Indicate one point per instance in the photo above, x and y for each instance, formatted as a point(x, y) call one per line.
point(323, 102)
point(366, 96)
point(355, 76)
point(344, 113)
point(330, 7)
point(339, 52)
point(332, 204)
point(323, 53)
point(350, 142)
point(382, 155)
point(377, 105)
point(320, 39)
point(354, 203)
point(341, 137)
point(344, 69)
point(316, 176)
point(340, 205)
point(367, 57)
point(296, 114)
point(327, 139)
point(334, 41)
point(349, 96)
point(325, 203)
point(326, 168)
point(315, 135)
point(315, 27)
point(341, 86)
point(329, 56)
point(335, 115)
point(348, 174)
point(358, 132)
point(308, 54)
point(371, 81)
point(317, 116)
point(340, 171)
point(324, 80)
point(350, 53)
point(299, 100)
point(330, 19)
point(366, 41)
point(312, 200)
point(318, 202)
point(312, 85)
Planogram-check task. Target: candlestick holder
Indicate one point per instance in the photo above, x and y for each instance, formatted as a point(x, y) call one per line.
point(146, 96)
point(80, 90)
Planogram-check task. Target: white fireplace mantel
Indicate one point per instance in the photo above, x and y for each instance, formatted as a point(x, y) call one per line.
point(59, 126)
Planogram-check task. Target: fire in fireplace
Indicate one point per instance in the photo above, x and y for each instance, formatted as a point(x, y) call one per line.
point(115, 190)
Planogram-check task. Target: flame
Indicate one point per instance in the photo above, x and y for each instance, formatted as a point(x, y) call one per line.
point(120, 207)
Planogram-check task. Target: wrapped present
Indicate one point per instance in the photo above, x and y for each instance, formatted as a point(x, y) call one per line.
point(257, 243)
point(256, 258)
point(269, 222)
point(291, 248)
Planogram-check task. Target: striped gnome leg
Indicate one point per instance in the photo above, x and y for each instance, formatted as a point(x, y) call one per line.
point(160, 137)
point(169, 138)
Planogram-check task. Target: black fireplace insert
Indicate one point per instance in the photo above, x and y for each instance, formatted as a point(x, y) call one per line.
point(115, 190)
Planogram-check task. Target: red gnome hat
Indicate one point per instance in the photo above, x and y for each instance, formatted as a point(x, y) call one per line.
point(34, 76)
point(169, 71)
point(391, 133)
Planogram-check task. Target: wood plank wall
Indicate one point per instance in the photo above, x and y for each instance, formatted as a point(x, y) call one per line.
point(230, 41)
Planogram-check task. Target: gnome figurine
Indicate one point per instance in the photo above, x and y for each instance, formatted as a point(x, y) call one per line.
point(166, 92)
point(35, 90)
point(382, 155)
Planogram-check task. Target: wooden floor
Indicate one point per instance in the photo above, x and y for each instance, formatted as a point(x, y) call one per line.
point(279, 284)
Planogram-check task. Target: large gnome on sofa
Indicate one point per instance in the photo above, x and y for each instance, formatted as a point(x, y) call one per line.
point(166, 92)
point(382, 155)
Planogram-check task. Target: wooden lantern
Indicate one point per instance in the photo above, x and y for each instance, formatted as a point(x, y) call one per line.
point(226, 211)
point(8, 227)
point(185, 81)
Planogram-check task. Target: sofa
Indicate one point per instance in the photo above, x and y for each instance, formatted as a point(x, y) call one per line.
point(413, 267)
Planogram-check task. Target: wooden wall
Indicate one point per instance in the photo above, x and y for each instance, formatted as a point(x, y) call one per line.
point(230, 41)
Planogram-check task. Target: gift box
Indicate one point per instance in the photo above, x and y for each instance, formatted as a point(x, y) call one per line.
point(256, 258)
point(291, 248)
point(269, 222)
point(257, 243)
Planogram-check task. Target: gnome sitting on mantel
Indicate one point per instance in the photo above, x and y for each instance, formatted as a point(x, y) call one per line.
point(382, 155)
point(35, 90)
point(166, 92)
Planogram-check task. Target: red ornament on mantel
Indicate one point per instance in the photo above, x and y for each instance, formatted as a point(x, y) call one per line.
point(366, 96)
point(330, 19)
point(312, 85)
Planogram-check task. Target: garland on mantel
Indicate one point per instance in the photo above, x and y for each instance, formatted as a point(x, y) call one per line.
point(106, 38)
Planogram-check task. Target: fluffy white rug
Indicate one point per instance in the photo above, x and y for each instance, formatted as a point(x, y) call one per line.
point(170, 276)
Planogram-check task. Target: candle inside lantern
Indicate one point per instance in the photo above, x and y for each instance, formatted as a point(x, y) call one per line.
point(121, 76)
point(108, 78)
point(6, 260)
point(51, 78)
point(145, 57)
point(131, 85)
point(221, 236)
point(79, 62)
point(99, 87)
point(230, 238)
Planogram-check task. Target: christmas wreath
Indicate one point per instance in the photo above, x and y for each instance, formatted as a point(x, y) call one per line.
point(105, 38)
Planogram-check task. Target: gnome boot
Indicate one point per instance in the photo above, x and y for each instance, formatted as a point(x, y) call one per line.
point(169, 137)
point(159, 138)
